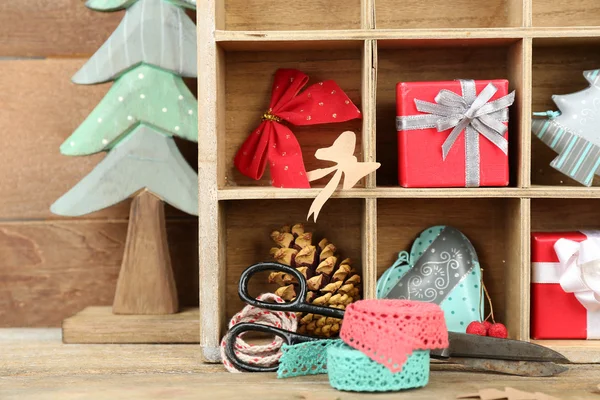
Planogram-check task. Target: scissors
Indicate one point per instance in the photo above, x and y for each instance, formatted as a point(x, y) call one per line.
point(475, 353)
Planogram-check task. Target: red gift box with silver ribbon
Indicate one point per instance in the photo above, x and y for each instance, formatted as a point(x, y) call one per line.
point(453, 133)
point(565, 285)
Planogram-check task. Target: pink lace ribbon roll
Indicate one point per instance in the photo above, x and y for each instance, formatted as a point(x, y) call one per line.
point(388, 331)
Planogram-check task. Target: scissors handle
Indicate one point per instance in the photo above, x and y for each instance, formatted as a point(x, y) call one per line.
point(288, 337)
point(299, 304)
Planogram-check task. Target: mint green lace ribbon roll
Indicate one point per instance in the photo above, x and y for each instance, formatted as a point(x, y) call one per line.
point(309, 358)
point(351, 370)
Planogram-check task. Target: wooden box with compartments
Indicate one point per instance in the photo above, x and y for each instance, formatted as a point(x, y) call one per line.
point(367, 46)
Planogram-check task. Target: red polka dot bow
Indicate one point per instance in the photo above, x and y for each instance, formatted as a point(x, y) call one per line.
point(275, 143)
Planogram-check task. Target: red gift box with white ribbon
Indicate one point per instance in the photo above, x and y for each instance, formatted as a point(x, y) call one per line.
point(565, 285)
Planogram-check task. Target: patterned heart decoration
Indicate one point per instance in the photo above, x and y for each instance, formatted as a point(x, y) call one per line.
point(443, 268)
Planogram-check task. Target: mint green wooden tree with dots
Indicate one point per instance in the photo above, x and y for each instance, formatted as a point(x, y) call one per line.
point(148, 104)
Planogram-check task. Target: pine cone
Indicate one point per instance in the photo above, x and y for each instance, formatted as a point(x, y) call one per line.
point(330, 282)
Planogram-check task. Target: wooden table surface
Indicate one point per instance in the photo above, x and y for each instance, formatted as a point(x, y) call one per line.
point(34, 364)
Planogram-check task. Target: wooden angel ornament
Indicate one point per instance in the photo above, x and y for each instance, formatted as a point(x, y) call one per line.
point(135, 123)
point(341, 153)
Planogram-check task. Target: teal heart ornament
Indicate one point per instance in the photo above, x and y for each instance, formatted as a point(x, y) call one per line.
point(443, 268)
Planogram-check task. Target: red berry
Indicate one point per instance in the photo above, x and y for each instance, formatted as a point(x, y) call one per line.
point(487, 325)
point(476, 328)
point(498, 331)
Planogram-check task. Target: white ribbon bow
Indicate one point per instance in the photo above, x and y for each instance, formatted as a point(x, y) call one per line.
point(580, 275)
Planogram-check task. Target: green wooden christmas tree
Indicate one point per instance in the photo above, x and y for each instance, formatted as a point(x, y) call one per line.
point(146, 57)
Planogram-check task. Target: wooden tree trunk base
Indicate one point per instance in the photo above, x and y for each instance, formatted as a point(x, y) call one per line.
point(146, 284)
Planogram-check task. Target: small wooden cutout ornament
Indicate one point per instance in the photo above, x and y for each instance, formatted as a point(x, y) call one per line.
point(154, 32)
point(507, 394)
point(342, 153)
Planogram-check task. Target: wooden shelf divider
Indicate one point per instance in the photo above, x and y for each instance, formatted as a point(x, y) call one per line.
point(527, 13)
point(535, 191)
point(369, 248)
point(369, 93)
point(367, 15)
point(520, 60)
point(229, 38)
point(210, 173)
point(518, 270)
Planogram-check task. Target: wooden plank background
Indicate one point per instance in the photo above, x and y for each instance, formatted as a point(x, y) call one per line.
point(51, 267)
point(41, 28)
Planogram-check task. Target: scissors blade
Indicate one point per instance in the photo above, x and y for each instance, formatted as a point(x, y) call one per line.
point(474, 346)
point(509, 367)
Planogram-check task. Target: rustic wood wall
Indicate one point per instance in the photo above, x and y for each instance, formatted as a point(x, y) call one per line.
point(52, 267)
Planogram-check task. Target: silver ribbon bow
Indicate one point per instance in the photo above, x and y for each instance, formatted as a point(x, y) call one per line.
point(469, 112)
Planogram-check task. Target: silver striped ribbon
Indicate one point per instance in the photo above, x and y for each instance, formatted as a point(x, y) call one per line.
point(473, 113)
